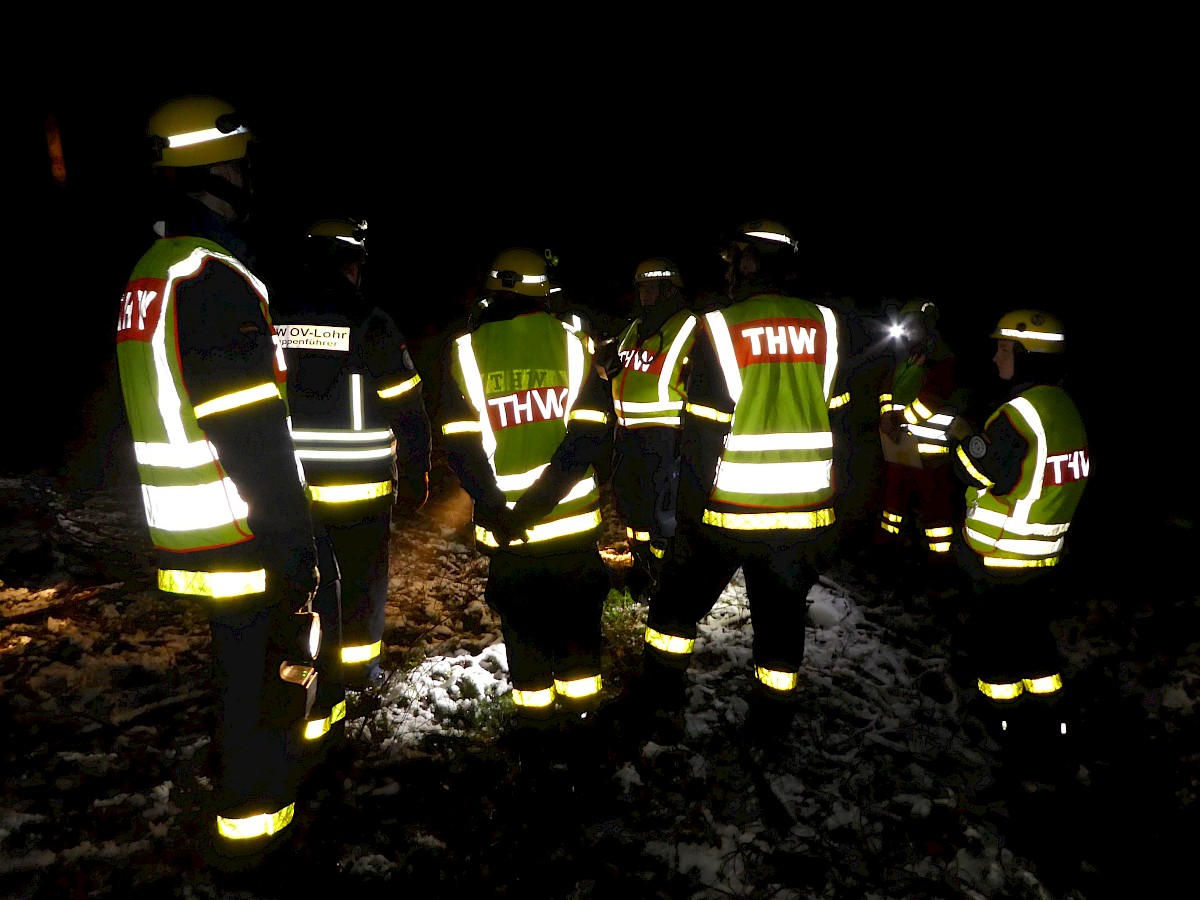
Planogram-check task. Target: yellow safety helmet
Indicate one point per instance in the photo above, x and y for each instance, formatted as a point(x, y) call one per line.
point(1034, 329)
point(767, 234)
point(655, 268)
point(196, 130)
point(344, 239)
point(520, 270)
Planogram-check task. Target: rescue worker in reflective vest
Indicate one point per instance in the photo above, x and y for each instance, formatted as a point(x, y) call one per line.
point(204, 388)
point(649, 389)
point(916, 411)
point(522, 415)
point(1026, 472)
point(360, 426)
point(756, 485)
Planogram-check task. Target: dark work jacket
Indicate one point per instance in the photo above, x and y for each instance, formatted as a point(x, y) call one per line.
point(357, 401)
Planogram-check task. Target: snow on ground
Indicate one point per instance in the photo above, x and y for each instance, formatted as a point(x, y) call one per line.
point(887, 786)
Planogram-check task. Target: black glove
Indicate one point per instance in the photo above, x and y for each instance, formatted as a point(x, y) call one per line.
point(502, 522)
point(412, 491)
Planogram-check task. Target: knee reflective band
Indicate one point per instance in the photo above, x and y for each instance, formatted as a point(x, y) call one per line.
point(349, 493)
point(212, 584)
point(669, 643)
point(939, 538)
point(534, 699)
point(315, 728)
point(1047, 684)
point(361, 653)
point(579, 687)
point(260, 825)
point(778, 681)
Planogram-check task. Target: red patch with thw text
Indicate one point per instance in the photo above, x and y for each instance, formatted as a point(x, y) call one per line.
point(779, 340)
point(139, 309)
point(523, 407)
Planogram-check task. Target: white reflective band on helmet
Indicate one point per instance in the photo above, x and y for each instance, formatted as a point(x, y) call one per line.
point(658, 273)
point(525, 279)
point(770, 236)
point(203, 136)
point(1017, 335)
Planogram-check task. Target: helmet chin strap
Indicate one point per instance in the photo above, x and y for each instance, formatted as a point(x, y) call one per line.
point(228, 201)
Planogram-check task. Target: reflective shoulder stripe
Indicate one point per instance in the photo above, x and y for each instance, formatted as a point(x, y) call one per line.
point(719, 330)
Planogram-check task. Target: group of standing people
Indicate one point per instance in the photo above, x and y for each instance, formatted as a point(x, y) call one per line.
point(274, 441)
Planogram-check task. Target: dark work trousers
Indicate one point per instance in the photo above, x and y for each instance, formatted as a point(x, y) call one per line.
point(550, 612)
point(779, 568)
point(256, 742)
point(1008, 634)
point(363, 549)
point(925, 498)
point(330, 703)
point(645, 480)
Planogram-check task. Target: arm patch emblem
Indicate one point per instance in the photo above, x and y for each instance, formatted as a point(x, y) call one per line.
point(977, 447)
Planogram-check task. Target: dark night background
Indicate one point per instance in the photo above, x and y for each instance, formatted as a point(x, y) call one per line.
point(983, 194)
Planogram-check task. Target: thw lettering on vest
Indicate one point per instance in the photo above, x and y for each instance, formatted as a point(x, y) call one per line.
point(523, 407)
point(780, 340)
point(1063, 468)
point(139, 309)
point(642, 360)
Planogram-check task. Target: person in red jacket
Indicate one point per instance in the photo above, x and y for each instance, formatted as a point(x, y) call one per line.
point(921, 498)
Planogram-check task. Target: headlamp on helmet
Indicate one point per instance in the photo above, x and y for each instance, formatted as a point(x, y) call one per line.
point(520, 270)
point(1034, 329)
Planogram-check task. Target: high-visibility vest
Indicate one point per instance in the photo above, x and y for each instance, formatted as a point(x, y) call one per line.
point(522, 377)
point(191, 504)
point(926, 426)
point(779, 357)
point(343, 439)
point(649, 388)
point(1027, 527)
